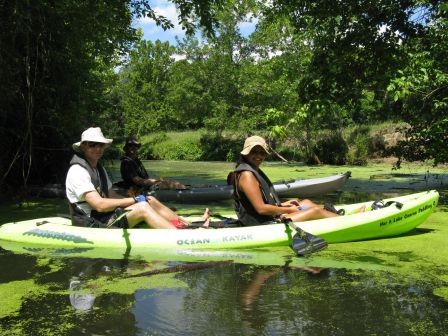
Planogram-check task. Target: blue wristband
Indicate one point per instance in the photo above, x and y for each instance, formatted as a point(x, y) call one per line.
point(140, 198)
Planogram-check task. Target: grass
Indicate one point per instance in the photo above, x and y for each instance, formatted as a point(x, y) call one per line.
point(175, 137)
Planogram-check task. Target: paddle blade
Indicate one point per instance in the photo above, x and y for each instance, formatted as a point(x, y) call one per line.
point(305, 243)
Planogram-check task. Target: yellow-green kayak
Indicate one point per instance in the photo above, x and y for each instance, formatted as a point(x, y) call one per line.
point(403, 215)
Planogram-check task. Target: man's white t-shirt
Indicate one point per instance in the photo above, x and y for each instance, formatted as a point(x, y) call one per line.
point(77, 183)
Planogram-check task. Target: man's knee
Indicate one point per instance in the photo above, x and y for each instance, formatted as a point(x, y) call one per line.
point(140, 208)
point(152, 199)
point(316, 209)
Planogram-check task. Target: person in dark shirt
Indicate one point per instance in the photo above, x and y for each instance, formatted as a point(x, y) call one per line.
point(134, 173)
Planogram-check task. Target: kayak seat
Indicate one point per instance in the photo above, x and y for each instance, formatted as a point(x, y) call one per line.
point(379, 204)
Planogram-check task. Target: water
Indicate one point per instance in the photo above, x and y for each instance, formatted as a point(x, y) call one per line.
point(46, 291)
point(222, 299)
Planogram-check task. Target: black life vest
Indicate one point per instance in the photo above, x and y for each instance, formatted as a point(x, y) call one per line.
point(244, 209)
point(139, 169)
point(99, 181)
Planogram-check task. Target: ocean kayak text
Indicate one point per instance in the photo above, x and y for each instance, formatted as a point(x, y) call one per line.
point(225, 239)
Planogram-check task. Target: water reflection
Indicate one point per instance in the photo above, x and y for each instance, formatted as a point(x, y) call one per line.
point(136, 297)
point(79, 301)
point(251, 294)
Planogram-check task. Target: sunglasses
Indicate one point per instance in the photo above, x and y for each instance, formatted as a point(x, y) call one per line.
point(258, 152)
point(93, 144)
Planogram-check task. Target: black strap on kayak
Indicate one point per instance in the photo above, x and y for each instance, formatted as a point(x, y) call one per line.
point(330, 207)
point(222, 222)
point(379, 204)
point(219, 224)
point(304, 243)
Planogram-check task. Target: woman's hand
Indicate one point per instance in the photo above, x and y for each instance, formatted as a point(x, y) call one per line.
point(291, 203)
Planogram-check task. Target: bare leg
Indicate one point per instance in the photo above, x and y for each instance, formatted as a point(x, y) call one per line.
point(142, 212)
point(252, 292)
point(308, 203)
point(314, 212)
point(161, 209)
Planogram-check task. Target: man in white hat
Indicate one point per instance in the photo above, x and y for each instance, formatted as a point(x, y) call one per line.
point(92, 201)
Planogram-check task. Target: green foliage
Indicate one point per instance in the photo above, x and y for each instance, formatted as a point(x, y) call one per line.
point(142, 87)
point(54, 62)
point(190, 151)
point(420, 91)
point(307, 68)
point(330, 148)
point(349, 47)
point(360, 143)
point(220, 148)
point(146, 150)
point(365, 110)
point(187, 95)
point(173, 146)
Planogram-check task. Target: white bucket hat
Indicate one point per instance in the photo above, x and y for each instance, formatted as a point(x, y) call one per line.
point(253, 141)
point(93, 134)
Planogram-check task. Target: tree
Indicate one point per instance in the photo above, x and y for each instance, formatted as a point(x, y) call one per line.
point(358, 47)
point(49, 90)
point(53, 60)
point(142, 85)
point(420, 91)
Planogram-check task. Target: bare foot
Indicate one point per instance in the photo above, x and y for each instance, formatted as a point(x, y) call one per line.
point(362, 209)
point(206, 214)
point(206, 217)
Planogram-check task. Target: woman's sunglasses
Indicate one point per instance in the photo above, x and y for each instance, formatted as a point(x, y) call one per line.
point(258, 152)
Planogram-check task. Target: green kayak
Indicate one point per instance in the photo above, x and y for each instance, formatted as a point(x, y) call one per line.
point(400, 215)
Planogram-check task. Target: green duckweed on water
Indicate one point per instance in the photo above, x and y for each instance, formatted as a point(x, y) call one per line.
point(13, 293)
point(422, 254)
point(105, 284)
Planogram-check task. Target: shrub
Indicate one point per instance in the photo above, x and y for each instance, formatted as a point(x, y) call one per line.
point(330, 148)
point(359, 142)
point(377, 144)
point(113, 152)
point(220, 148)
point(147, 149)
point(186, 150)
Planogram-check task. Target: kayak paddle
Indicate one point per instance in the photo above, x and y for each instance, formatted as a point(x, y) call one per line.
point(304, 243)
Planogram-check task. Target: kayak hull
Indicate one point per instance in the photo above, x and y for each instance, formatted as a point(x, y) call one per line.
point(296, 188)
point(311, 187)
point(386, 222)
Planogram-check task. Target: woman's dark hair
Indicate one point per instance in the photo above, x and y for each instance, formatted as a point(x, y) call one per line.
point(241, 159)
